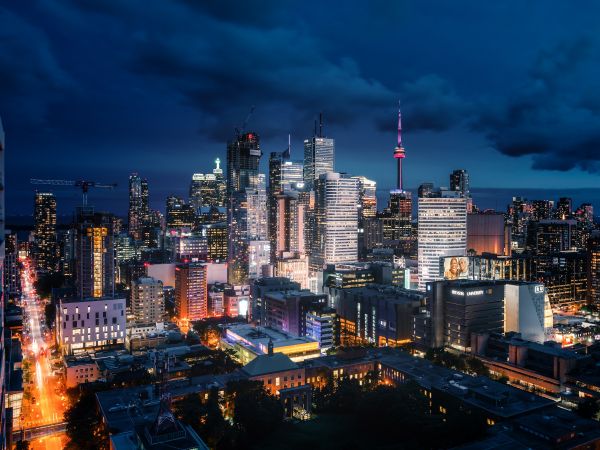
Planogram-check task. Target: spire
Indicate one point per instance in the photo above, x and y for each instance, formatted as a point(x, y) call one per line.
point(287, 154)
point(399, 125)
point(321, 124)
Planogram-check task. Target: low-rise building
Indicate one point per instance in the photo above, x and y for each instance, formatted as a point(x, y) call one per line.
point(79, 370)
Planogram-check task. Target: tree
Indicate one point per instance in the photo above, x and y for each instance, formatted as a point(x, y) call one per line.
point(588, 408)
point(50, 314)
point(189, 410)
point(84, 424)
point(46, 282)
point(256, 413)
point(477, 367)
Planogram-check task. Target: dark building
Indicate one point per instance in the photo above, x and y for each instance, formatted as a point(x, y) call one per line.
point(487, 233)
point(179, 213)
point(564, 208)
point(455, 309)
point(138, 205)
point(44, 233)
point(262, 286)
point(287, 310)
point(459, 181)
point(550, 236)
point(377, 314)
point(593, 279)
point(216, 236)
point(541, 209)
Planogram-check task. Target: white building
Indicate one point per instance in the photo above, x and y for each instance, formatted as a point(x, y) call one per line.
point(147, 300)
point(293, 266)
point(318, 158)
point(527, 310)
point(90, 324)
point(442, 232)
point(336, 210)
point(319, 326)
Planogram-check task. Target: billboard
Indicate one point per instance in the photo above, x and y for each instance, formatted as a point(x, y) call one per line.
point(456, 268)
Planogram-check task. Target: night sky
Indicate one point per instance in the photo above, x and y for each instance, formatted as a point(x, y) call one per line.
point(97, 89)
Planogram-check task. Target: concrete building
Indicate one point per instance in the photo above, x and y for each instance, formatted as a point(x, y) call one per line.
point(487, 233)
point(442, 231)
point(90, 324)
point(191, 291)
point(527, 311)
point(287, 310)
point(293, 266)
point(236, 300)
point(44, 233)
point(147, 301)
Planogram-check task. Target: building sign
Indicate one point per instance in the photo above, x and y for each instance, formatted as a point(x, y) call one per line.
point(456, 267)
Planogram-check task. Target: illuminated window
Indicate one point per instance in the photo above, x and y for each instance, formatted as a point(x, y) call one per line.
point(277, 381)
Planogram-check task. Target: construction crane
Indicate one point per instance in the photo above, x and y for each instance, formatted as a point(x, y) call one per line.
point(240, 131)
point(84, 185)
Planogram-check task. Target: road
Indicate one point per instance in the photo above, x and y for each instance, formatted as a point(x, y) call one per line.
point(47, 390)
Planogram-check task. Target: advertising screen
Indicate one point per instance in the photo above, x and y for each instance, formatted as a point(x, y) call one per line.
point(456, 267)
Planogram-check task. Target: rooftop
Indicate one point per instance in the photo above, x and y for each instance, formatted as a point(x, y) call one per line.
point(264, 364)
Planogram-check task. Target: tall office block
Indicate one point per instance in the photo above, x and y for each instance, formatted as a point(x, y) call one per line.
point(247, 208)
point(207, 190)
point(4, 426)
point(336, 212)
point(138, 205)
point(216, 238)
point(191, 291)
point(367, 198)
point(289, 223)
point(45, 247)
point(593, 278)
point(487, 233)
point(459, 181)
point(442, 231)
point(318, 157)
point(179, 213)
point(147, 300)
point(94, 254)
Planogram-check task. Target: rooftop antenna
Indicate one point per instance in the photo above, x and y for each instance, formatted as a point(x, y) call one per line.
point(321, 124)
point(315, 133)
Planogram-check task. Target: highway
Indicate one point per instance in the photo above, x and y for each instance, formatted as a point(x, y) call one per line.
point(48, 400)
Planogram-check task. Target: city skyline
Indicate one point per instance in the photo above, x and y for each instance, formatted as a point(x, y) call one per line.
point(465, 104)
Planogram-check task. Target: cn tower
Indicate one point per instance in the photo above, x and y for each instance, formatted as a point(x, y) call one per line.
point(399, 153)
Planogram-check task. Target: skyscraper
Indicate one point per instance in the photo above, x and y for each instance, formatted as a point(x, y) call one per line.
point(179, 213)
point(289, 224)
point(45, 232)
point(208, 190)
point(318, 157)
point(94, 254)
point(442, 231)
point(3, 424)
point(138, 205)
point(246, 208)
point(459, 181)
point(399, 153)
point(564, 208)
point(191, 291)
point(336, 212)
point(367, 198)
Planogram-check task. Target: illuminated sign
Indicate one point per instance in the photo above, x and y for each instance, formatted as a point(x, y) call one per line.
point(539, 289)
point(455, 292)
point(468, 293)
point(456, 267)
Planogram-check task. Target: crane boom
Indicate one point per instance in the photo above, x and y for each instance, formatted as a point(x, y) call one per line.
point(83, 184)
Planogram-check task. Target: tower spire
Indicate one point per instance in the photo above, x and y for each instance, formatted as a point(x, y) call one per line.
point(399, 153)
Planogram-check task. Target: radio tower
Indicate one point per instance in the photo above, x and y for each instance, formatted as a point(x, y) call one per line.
point(399, 153)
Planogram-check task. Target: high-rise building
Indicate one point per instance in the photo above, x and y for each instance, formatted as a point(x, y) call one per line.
point(593, 279)
point(487, 233)
point(216, 238)
point(191, 291)
point(550, 236)
point(45, 248)
point(179, 213)
point(147, 300)
point(208, 190)
point(289, 223)
point(336, 237)
point(318, 157)
point(367, 198)
point(138, 205)
point(94, 254)
point(12, 271)
point(442, 231)
point(247, 210)
point(293, 266)
point(564, 208)
point(541, 209)
point(459, 181)
point(4, 426)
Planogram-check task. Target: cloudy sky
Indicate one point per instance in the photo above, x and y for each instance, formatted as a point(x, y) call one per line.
point(98, 89)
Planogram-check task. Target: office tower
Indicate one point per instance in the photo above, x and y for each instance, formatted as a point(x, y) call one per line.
point(94, 254)
point(519, 212)
point(289, 223)
point(286, 310)
point(208, 190)
point(147, 301)
point(247, 210)
point(395, 224)
point(442, 231)
point(138, 205)
point(179, 213)
point(216, 237)
point(367, 198)
point(550, 236)
point(4, 426)
point(459, 181)
point(152, 230)
point(90, 324)
point(425, 190)
point(585, 214)
point(293, 266)
point(487, 233)
point(45, 248)
point(593, 278)
point(12, 271)
point(191, 291)
point(541, 209)
point(318, 157)
point(564, 208)
point(336, 238)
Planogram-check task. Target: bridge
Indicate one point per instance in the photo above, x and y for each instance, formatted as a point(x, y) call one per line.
point(38, 432)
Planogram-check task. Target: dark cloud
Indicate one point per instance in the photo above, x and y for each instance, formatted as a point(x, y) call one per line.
point(555, 116)
point(30, 75)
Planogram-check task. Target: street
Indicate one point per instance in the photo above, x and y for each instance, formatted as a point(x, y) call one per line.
point(45, 399)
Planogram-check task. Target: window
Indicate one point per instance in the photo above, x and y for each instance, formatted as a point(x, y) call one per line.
point(74, 323)
point(277, 381)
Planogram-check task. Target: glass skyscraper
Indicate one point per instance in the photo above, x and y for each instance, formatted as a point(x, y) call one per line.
point(318, 158)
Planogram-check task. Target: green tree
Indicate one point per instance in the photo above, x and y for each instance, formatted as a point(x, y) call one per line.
point(84, 424)
point(477, 367)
